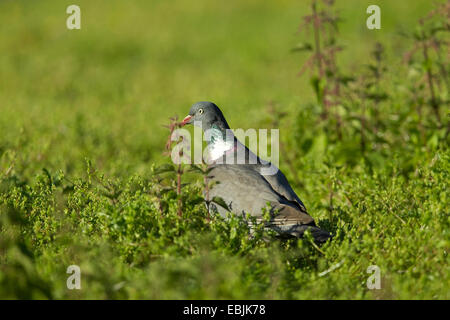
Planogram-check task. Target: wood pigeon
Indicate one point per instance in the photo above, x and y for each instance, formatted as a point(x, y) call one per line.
point(247, 183)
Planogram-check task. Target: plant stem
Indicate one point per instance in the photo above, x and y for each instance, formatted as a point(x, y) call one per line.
point(316, 28)
point(180, 203)
point(434, 102)
point(205, 181)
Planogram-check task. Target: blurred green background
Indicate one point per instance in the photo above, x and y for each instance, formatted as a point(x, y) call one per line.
point(134, 64)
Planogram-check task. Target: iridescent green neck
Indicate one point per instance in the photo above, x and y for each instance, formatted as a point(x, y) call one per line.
point(218, 134)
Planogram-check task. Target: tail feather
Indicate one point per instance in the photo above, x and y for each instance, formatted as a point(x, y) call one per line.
point(298, 230)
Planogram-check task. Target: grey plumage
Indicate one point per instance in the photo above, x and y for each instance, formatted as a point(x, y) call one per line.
point(245, 188)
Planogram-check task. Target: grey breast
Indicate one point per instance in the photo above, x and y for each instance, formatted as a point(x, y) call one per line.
point(245, 190)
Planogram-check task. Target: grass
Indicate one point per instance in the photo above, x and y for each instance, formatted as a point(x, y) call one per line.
point(82, 136)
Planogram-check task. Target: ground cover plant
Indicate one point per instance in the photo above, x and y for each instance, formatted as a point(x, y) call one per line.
point(86, 180)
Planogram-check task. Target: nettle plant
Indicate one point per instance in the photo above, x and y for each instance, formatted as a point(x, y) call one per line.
point(363, 99)
point(428, 61)
point(350, 112)
point(326, 78)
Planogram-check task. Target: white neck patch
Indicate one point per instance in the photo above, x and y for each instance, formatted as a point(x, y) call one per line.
point(217, 149)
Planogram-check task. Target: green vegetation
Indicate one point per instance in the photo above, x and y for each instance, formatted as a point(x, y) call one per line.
point(83, 178)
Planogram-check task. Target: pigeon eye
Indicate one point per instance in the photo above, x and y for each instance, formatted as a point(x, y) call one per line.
point(200, 111)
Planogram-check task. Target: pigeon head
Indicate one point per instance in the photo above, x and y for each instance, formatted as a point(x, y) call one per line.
point(206, 115)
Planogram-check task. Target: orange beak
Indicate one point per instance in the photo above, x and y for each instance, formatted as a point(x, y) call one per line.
point(186, 120)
